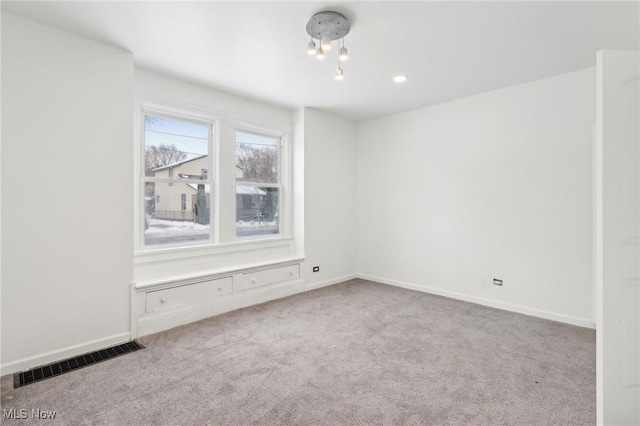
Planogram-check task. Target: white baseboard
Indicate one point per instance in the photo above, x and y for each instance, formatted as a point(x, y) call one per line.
point(486, 302)
point(26, 363)
point(330, 282)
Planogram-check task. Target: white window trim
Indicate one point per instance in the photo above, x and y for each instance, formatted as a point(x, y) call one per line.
point(149, 254)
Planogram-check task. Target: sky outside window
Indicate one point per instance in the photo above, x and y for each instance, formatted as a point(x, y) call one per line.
point(188, 137)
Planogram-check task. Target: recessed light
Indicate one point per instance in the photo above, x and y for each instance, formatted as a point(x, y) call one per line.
point(400, 78)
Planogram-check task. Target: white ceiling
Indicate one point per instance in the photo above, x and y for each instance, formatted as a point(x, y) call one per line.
point(258, 50)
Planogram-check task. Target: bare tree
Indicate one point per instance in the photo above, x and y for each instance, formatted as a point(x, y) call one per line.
point(258, 163)
point(162, 155)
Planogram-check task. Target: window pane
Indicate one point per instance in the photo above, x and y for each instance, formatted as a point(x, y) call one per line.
point(256, 158)
point(257, 211)
point(176, 212)
point(178, 143)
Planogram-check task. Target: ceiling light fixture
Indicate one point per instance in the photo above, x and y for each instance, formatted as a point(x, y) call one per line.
point(311, 48)
point(327, 27)
point(400, 78)
point(344, 52)
point(325, 43)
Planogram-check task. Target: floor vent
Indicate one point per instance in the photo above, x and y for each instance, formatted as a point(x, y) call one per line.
point(41, 373)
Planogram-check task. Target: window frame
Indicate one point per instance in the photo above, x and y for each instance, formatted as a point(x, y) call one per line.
point(222, 190)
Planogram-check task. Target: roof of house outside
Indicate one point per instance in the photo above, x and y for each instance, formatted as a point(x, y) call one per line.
point(240, 189)
point(179, 163)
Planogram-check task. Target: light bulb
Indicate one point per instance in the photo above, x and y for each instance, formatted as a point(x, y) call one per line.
point(339, 74)
point(325, 43)
point(320, 53)
point(344, 54)
point(311, 49)
point(400, 78)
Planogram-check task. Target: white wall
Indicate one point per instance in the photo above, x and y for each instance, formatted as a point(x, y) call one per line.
point(158, 87)
point(330, 205)
point(494, 185)
point(66, 162)
point(298, 181)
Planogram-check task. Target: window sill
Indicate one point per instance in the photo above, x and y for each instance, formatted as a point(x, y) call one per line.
point(175, 263)
point(172, 253)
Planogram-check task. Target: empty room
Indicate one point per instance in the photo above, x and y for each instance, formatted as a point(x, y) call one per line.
point(333, 213)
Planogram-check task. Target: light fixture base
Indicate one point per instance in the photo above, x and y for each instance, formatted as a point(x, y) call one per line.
point(332, 25)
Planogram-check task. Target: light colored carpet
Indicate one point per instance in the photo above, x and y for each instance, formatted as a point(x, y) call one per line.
point(353, 353)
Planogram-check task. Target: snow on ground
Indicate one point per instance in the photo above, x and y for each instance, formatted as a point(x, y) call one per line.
point(162, 227)
point(254, 224)
point(165, 227)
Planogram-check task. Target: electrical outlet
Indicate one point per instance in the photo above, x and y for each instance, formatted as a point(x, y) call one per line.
point(316, 269)
point(497, 282)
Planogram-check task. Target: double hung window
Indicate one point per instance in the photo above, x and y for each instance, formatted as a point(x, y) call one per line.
point(189, 195)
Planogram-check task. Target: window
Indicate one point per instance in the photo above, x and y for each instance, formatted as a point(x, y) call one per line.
point(257, 184)
point(191, 196)
point(175, 153)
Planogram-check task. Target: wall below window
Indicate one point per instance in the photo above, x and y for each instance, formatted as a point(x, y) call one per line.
point(497, 185)
point(66, 194)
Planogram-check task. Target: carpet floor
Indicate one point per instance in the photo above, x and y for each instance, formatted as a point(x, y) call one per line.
point(352, 353)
